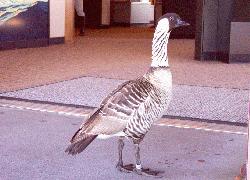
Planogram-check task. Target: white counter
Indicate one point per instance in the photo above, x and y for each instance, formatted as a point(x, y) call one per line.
point(141, 12)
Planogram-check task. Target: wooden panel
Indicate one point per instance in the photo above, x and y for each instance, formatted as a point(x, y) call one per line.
point(69, 20)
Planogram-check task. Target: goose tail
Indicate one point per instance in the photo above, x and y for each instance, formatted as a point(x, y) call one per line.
point(78, 146)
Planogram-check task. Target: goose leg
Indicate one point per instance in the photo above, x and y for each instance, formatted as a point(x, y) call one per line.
point(137, 168)
point(120, 148)
point(123, 168)
point(144, 171)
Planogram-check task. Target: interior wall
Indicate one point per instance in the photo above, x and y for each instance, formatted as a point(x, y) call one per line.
point(57, 18)
point(241, 11)
point(240, 30)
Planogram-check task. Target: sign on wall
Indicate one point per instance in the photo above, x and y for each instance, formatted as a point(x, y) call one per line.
point(24, 20)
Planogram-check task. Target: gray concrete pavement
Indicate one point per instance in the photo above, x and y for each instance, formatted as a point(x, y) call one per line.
point(32, 147)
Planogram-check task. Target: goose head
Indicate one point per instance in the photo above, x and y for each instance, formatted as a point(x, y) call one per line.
point(165, 25)
point(170, 21)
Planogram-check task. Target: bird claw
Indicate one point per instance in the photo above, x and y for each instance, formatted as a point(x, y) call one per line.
point(144, 171)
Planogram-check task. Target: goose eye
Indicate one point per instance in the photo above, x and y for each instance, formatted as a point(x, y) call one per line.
point(171, 18)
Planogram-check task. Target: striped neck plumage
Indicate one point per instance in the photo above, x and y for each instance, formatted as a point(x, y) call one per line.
point(159, 48)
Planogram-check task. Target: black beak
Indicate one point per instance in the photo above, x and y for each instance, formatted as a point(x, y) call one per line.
point(181, 23)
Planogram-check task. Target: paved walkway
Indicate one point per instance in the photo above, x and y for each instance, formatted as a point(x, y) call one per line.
point(33, 143)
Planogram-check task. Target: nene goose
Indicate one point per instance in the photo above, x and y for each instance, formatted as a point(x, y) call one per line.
point(130, 110)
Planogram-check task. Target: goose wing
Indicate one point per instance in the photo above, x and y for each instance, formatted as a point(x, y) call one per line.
point(116, 109)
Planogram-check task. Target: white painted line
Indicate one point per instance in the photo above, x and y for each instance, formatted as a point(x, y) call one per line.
point(184, 124)
point(204, 129)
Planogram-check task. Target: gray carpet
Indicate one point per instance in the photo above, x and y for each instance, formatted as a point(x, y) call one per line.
point(208, 103)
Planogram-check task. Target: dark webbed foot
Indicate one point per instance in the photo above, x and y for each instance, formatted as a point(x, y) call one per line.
point(144, 171)
point(126, 168)
point(149, 172)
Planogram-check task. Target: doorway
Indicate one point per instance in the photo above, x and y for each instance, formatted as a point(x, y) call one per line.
point(187, 11)
point(131, 12)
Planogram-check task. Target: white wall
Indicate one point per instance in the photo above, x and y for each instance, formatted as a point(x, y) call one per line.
point(105, 12)
point(57, 18)
point(240, 38)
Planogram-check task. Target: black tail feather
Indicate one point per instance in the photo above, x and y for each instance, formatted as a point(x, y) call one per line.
point(77, 147)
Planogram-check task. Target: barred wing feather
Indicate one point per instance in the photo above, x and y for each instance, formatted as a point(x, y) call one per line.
point(117, 109)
